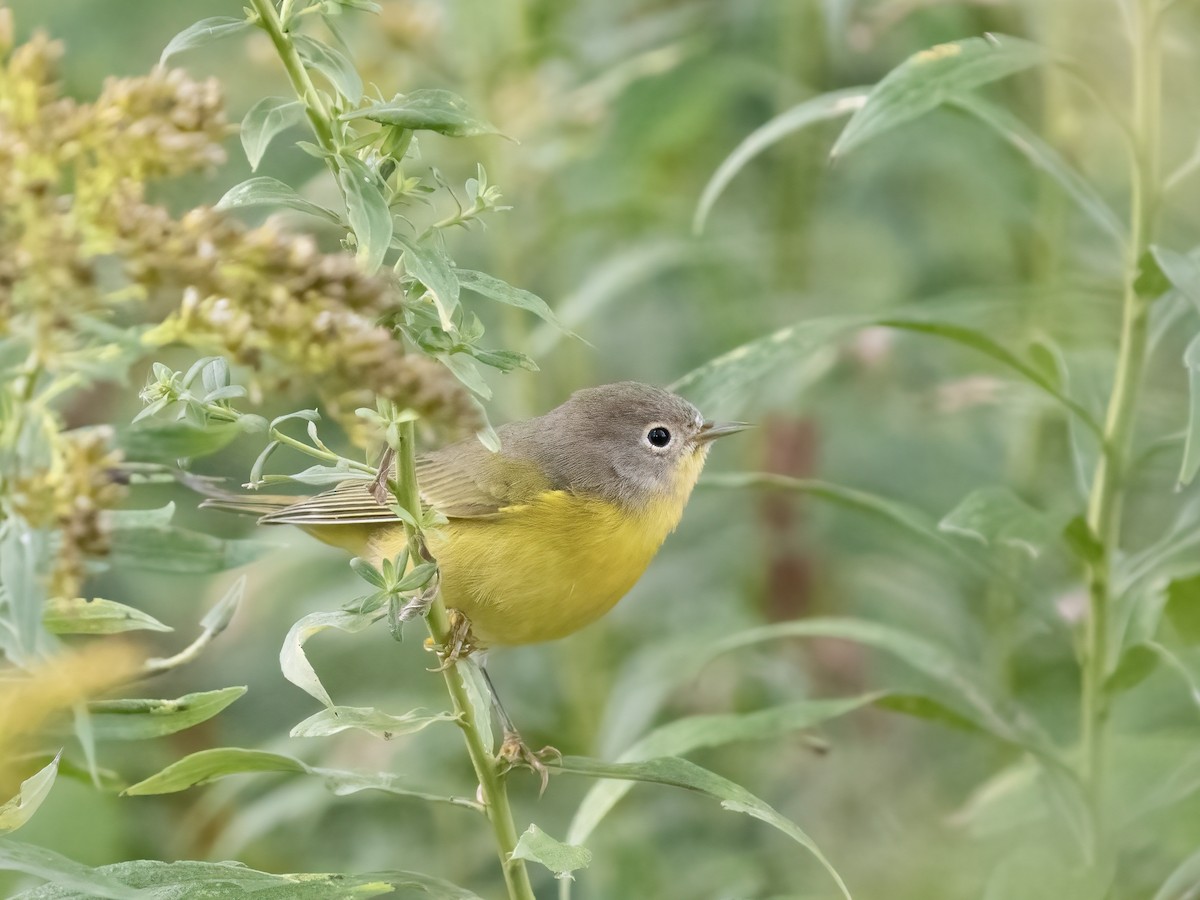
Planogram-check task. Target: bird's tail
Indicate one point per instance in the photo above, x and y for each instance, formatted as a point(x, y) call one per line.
point(217, 497)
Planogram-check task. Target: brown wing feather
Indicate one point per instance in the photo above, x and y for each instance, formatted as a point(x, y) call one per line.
point(462, 481)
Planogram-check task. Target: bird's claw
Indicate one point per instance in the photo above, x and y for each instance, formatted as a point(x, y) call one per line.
point(460, 642)
point(515, 752)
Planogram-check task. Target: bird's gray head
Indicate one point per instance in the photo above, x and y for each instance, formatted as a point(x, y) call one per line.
point(627, 442)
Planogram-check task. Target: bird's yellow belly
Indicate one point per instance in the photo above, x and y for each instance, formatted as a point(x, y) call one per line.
point(547, 568)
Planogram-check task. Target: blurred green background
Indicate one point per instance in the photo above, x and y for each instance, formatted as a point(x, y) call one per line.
point(619, 113)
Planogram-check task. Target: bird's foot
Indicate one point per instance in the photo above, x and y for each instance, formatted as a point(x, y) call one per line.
point(460, 642)
point(515, 752)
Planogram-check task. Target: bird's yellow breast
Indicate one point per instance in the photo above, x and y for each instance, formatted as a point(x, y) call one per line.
point(545, 568)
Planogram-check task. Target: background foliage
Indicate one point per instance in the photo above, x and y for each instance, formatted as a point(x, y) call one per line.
point(945, 521)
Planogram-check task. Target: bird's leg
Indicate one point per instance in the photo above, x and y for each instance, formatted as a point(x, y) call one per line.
point(460, 642)
point(513, 749)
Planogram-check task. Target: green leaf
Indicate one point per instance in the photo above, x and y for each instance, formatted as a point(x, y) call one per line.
point(1191, 442)
point(427, 110)
point(561, 859)
point(1083, 541)
point(188, 880)
point(367, 210)
point(159, 441)
point(295, 665)
point(81, 615)
point(178, 550)
point(1182, 270)
point(980, 342)
point(335, 719)
point(264, 120)
point(693, 732)
point(816, 109)
point(34, 789)
point(1183, 608)
point(211, 765)
point(1044, 157)
point(503, 292)
point(1135, 666)
point(681, 773)
point(809, 344)
point(265, 191)
point(906, 518)
point(463, 367)
point(155, 517)
point(995, 515)
point(69, 879)
point(932, 77)
point(203, 32)
point(430, 267)
point(479, 697)
point(1181, 884)
point(331, 63)
point(136, 720)
point(343, 784)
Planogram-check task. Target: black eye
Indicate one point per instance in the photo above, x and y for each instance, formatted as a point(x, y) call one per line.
point(659, 437)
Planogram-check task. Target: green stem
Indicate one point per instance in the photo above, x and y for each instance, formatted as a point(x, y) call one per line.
point(487, 768)
point(318, 115)
point(1108, 486)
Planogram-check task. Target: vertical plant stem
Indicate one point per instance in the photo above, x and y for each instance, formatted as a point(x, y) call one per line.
point(314, 106)
point(1108, 487)
point(487, 767)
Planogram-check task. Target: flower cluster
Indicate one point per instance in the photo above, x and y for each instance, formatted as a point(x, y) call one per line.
point(275, 302)
point(72, 180)
point(71, 496)
point(65, 170)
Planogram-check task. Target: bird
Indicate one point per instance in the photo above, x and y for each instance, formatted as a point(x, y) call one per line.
point(545, 535)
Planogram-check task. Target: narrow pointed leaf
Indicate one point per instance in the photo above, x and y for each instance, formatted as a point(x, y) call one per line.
point(34, 789)
point(264, 120)
point(1191, 443)
point(336, 719)
point(681, 773)
point(203, 32)
point(82, 615)
point(503, 292)
point(427, 110)
point(561, 859)
point(996, 516)
point(68, 879)
point(1027, 142)
point(331, 63)
point(812, 111)
point(693, 732)
point(136, 720)
point(295, 665)
point(265, 191)
point(932, 77)
point(367, 211)
point(430, 267)
point(211, 765)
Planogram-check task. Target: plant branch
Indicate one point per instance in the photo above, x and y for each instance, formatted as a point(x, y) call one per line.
point(1108, 486)
point(404, 487)
point(318, 114)
point(487, 768)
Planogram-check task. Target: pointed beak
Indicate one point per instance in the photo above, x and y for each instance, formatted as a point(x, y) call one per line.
point(710, 431)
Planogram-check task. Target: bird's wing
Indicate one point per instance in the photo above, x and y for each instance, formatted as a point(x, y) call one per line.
point(473, 485)
point(462, 482)
point(350, 503)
